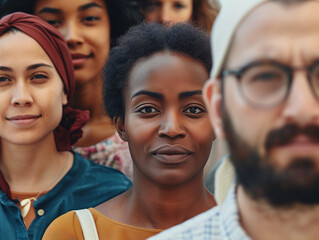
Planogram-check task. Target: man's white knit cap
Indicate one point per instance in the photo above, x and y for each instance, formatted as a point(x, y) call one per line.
point(229, 18)
point(231, 15)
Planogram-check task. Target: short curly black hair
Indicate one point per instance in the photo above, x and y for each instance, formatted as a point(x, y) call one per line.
point(142, 41)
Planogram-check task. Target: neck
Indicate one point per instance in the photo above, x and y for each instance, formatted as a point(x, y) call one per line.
point(28, 168)
point(298, 222)
point(88, 96)
point(160, 207)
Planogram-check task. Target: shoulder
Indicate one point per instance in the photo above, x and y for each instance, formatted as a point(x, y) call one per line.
point(97, 171)
point(89, 184)
point(64, 227)
point(203, 226)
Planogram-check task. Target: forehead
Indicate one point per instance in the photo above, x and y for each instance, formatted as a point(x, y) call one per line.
point(19, 48)
point(67, 6)
point(275, 30)
point(167, 71)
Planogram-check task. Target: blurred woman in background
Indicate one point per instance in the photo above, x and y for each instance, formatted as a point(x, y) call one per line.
point(199, 12)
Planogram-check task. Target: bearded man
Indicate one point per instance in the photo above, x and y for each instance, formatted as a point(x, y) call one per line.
point(263, 98)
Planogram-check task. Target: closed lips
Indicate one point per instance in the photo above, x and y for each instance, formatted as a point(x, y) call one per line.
point(171, 150)
point(22, 117)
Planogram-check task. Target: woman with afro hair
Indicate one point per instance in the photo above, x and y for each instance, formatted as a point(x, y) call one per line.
point(153, 93)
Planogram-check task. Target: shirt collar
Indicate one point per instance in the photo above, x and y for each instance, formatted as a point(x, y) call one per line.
point(229, 218)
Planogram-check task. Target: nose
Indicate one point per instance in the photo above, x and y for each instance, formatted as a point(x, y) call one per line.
point(172, 126)
point(165, 16)
point(72, 34)
point(21, 96)
point(302, 106)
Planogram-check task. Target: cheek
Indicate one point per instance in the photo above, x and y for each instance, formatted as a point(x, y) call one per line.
point(189, 15)
point(101, 35)
point(140, 133)
point(249, 123)
point(202, 134)
point(151, 17)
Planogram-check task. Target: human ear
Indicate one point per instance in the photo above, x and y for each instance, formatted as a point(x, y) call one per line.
point(64, 99)
point(213, 99)
point(120, 128)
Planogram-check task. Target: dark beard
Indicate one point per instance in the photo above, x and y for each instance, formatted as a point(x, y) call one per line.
point(297, 183)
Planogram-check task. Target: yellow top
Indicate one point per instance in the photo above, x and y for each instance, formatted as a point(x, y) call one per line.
point(67, 227)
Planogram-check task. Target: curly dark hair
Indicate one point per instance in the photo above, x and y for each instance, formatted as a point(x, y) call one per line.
point(143, 41)
point(123, 14)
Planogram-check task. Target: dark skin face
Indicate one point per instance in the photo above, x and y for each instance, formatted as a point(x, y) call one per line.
point(164, 119)
point(170, 136)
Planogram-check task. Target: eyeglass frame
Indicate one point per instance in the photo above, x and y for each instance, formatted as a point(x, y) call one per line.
point(289, 70)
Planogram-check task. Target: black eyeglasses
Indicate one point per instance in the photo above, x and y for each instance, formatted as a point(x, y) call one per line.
point(266, 83)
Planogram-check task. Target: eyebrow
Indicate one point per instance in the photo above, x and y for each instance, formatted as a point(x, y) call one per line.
point(31, 67)
point(190, 93)
point(148, 93)
point(3, 68)
point(58, 11)
point(50, 10)
point(37, 65)
point(160, 96)
point(89, 5)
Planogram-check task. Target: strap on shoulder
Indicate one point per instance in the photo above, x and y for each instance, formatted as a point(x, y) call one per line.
point(87, 223)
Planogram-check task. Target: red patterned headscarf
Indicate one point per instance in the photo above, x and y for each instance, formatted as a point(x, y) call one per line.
point(48, 37)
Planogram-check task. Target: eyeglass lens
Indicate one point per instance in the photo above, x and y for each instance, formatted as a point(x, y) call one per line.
point(267, 85)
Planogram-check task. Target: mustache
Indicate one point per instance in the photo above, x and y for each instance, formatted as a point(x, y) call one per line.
point(286, 134)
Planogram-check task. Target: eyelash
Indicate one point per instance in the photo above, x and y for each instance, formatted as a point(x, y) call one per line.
point(54, 23)
point(179, 5)
point(90, 19)
point(140, 110)
point(4, 79)
point(201, 110)
point(187, 110)
point(152, 5)
point(39, 77)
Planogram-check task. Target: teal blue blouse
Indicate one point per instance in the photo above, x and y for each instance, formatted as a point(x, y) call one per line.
point(85, 185)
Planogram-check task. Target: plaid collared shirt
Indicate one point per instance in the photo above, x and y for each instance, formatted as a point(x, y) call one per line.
point(219, 223)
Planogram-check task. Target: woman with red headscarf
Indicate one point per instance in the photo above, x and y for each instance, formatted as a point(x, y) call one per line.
point(40, 177)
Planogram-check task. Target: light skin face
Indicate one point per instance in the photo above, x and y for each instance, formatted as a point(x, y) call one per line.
point(85, 26)
point(288, 36)
point(166, 123)
point(168, 11)
point(31, 91)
